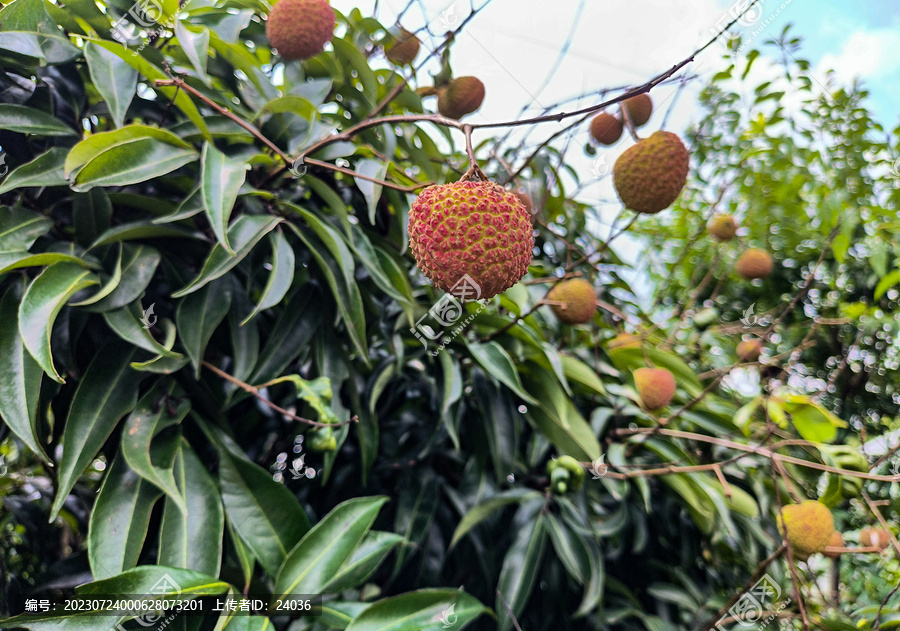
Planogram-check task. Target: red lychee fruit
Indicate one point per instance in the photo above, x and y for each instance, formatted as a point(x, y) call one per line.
point(606, 129)
point(639, 109)
point(299, 29)
point(655, 386)
point(474, 229)
point(461, 96)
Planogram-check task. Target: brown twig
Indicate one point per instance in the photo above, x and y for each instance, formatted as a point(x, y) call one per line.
point(246, 387)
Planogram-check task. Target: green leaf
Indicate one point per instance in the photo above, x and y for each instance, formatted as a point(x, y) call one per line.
point(20, 375)
point(142, 230)
point(115, 80)
point(139, 263)
point(42, 302)
point(92, 214)
point(220, 180)
point(131, 163)
point(45, 170)
point(421, 610)
point(498, 364)
point(560, 421)
point(490, 508)
point(16, 260)
point(814, 423)
point(151, 416)
point(280, 278)
point(300, 319)
point(128, 324)
point(192, 539)
point(21, 228)
point(119, 521)
point(327, 546)
point(370, 190)
point(106, 393)
point(264, 513)
point(520, 568)
point(195, 46)
point(317, 393)
point(197, 317)
point(363, 562)
point(95, 145)
point(26, 120)
point(107, 288)
point(578, 372)
point(157, 581)
point(244, 234)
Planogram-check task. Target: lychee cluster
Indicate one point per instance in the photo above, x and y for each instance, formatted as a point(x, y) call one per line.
point(299, 29)
point(471, 229)
point(607, 128)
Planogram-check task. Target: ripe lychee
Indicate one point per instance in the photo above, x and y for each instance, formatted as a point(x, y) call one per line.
point(606, 128)
point(749, 350)
point(809, 527)
point(650, 175)
point(874, 538)
point(460, 97)
point(639, 109)
point(722, 227)
point(404, 50)
point(836, 541)
point(579, 302)
point(299, 29)
point(754, 263)
point(655, 386)
point(624, 340)
point(471, 229)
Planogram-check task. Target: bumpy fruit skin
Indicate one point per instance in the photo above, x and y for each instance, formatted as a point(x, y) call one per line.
point(299, 29)
point(404, 50)
point(624, 340)
point(566, 475)
point(749, 350)
point(655, 386)
point(809, 527)
point(836, 541)
point(754, 263)
point(639, 109)
point(471, 228)
point(579, 301)
point(460, 97)
point(722, 227)
point(606, 128)
point(650, 175)
point(874, 537)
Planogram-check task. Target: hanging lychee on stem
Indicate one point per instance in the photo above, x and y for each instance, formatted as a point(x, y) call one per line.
point(401, 47)
point(457, 97)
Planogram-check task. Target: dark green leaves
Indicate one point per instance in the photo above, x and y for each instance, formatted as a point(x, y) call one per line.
point(198, 315)
point(422, 610)
point(220, 180)
point(27, 120)
point(115, 80)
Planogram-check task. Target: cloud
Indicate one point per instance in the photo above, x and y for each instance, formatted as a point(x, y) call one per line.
point(866, 55)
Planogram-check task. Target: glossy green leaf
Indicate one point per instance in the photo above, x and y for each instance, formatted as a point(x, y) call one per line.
point(370, 190)
point(490, 508)
point(499, 365)
point(115, 80)
point(45, 170)
point(421, 610)
point(97, 144)
point(27, 120)
point(220, 180)
point(43, 300)
point(197, 317)
point(363, 562)
point(20, 228)
point(130, 163)
point(520, 569)
point(139, 263)
point(280, 278)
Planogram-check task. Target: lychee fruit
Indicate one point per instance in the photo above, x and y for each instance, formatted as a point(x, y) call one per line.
point(624, 340)
point(649, 176)
point(809, 526)
point(468, 233)
point(722, 227)
point(639, 108)
point(579, 302)
point(460, 97)
point(606, 129)
point(754, 263)
point(874, 538)
point(655, 386)
point(404, 50)
point(749, 350)
point(836, 541)
point(299, 29)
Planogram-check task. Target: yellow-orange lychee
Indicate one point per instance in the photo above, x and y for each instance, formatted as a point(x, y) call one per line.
point(639, 109)
point(836, 541)
point(471, 239)
point(808, 527)
point(754, 263)
point(649, 176)
point(749, 350)
point(578, 301)
point(299, 29)
point(461, 96)
point(722, 227)
point(874, 538)
point(606, 128)
point(655, 386)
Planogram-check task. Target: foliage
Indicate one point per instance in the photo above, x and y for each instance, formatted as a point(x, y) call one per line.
point(190, 329)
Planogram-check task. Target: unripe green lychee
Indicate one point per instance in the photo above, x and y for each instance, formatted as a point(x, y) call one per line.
point(460, 97)
point(606, 128)
point(624, 340)
point(322, 439)
point(655, 386)
point(874, 538)
point(809, 526)
point(749, 350)
point(754, 263)
point(722, 227)
point(650, 175)
point(474, 229)
point(836, 541)
point(404, 50)
point(579, 302)
point(639, 109)
point(299, 29)
point(566, 475)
